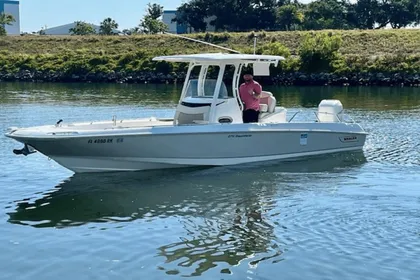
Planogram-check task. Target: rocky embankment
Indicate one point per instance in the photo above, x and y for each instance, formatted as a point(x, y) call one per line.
point(295, 78)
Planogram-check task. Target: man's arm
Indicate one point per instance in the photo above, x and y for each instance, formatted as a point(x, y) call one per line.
point(257, 90)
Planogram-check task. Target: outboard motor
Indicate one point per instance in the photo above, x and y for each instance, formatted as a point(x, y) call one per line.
point(330, 110)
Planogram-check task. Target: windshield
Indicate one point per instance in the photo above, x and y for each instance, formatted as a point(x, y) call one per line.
point(208, 89)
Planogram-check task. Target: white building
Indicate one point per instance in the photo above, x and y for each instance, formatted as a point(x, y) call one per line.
point(11, 8)
point(174, 27)
point(64, 29)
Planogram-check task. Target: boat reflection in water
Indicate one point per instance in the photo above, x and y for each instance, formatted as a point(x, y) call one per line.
point(227, 213)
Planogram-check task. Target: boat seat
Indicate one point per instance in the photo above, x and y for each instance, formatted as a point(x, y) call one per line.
point(263, 108)
point(267, 102)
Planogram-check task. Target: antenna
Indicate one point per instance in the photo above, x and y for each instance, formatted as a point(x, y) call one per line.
point(255, 42)
point(199, 41)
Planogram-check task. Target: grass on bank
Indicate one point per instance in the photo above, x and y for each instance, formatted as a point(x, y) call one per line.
point(358, 51)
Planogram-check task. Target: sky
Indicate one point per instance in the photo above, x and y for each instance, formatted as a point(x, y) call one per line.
point(35, 14)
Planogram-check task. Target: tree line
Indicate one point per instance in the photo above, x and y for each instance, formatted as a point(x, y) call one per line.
point(150, 24)
point(272, 15)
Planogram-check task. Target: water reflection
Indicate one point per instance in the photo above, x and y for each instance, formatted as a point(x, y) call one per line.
point(225, 212)
point(244, 234)
point(372, 98)
point(367, 98)
point(119, 197)
point(89, 94)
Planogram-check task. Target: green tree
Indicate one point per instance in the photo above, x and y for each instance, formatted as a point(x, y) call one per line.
point(229, 15)
point(150, 24)
point(364, 14)
point(326, 14)
point(155, 11)
point(317, 53)
point(274, 48)
point(192, 15)
point(247, 15)
point(42, 31)
point(82, 28)
point(375, 14)
point(288, 16)
point(108, 26)
point(131, 31)
point(417, 12)
point(244, 15)
point(5, 19)
point(399, 13)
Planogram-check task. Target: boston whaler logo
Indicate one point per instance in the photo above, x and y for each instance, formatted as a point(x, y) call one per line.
point(351, 138)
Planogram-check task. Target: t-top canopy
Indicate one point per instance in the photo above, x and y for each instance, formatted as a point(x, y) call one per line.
point(221, 57)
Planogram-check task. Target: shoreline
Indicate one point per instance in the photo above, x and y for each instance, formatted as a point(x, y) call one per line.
point(283, 79)
point(340, 58)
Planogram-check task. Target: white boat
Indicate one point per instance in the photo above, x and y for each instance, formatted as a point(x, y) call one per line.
point(206, 130)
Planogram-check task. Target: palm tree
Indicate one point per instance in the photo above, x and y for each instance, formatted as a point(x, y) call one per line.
point(108, 26)
point(5, 19)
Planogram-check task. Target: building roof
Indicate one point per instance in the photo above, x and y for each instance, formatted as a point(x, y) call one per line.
point(64, 29)
point(8, 2)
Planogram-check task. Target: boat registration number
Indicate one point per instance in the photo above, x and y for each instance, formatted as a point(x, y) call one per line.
point(105, 140)
point(239, 135)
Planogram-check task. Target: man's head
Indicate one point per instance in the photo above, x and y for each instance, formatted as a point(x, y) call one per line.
point(248, 77)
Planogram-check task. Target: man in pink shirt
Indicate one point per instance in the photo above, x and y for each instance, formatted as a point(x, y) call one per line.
point(249, 93)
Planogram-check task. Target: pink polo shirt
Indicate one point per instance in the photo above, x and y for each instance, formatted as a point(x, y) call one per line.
point(246, 91)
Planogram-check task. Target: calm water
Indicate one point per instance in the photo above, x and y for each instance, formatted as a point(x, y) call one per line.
point(353, 216)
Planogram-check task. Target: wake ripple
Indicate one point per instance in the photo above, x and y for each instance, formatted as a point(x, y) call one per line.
point(394, 138)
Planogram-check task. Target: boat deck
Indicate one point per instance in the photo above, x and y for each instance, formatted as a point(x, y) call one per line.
point(131, 123)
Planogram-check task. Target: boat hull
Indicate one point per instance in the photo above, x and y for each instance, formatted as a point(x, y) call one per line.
point(107, 164)
point(172, 148)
